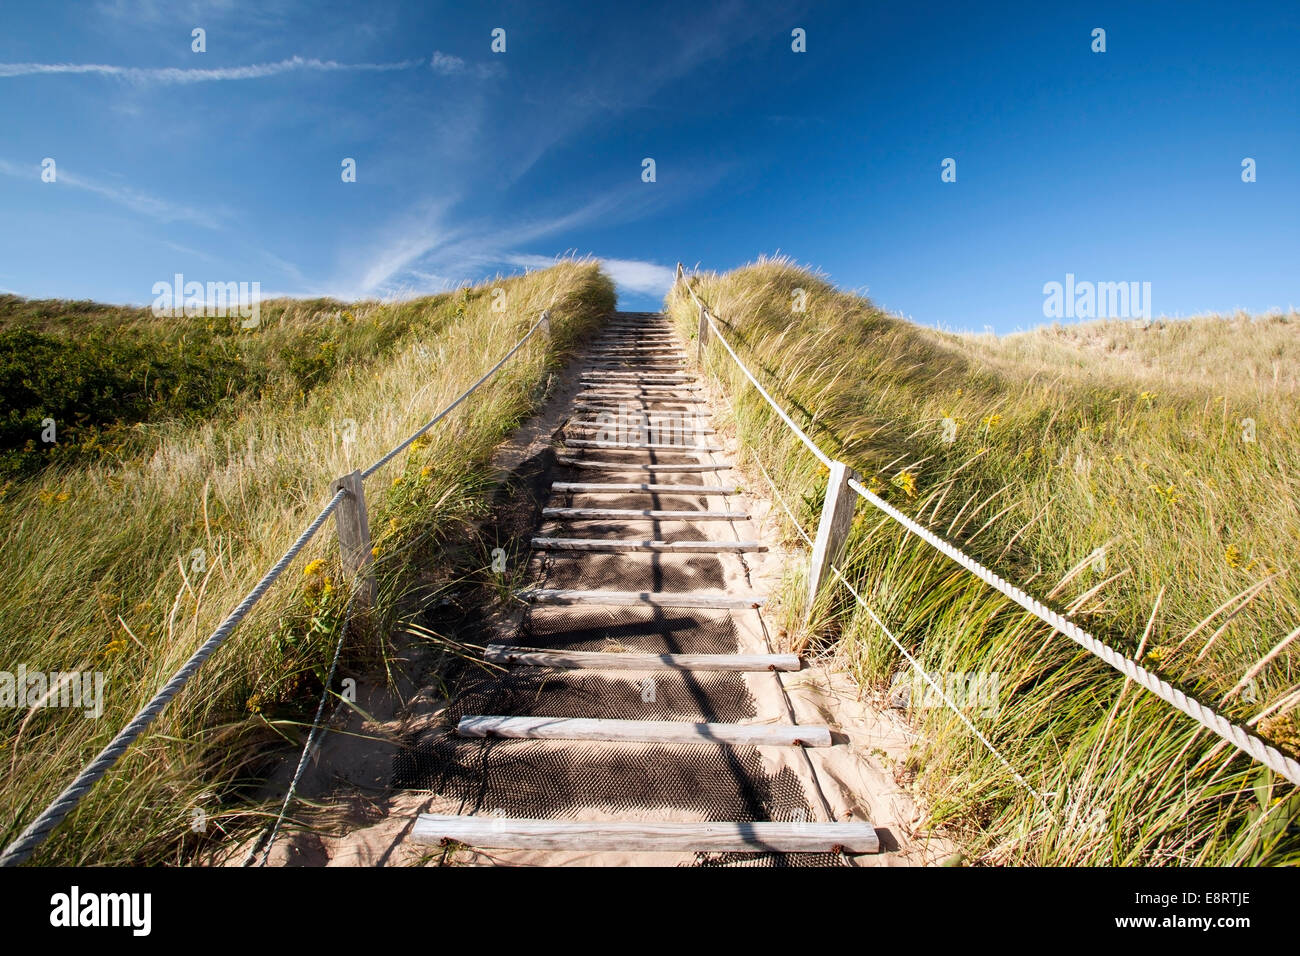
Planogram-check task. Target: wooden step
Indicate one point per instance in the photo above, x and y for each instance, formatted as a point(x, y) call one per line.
point(618, 487)
point(697, 599)
point(640, 389)
point(517, 833)
point(638, 466)
point(598, 660)
point(644, 397)
point(633, 544)
point(597, 514)
point(652, 424)
point(670, 377)
point(631, 446)
point(645, 731)
point(616, 409)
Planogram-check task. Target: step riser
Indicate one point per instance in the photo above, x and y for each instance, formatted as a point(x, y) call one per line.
point(622, 514)
point(617, 488)
point(657, 547)
point(644, 731)
point(566, 598)
point(498, 833)
point(592, 660)
point(641, 466)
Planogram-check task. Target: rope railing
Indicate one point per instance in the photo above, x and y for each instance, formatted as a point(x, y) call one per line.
point(354, 539)
point(833, 532)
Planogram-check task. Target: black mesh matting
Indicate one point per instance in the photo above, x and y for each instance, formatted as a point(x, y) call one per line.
point(632, 629)
point(630, 572)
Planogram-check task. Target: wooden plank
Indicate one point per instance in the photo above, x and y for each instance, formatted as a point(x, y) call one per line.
point(699, 599)
point(598, 660)
point(665, 377)
point(635, 515)
point(618, 487)
point(644, 389)
point(352, 525)
point(832, 530)
point(645, 731)
point(644, 397)
point(515, 833)
point(652, 424)
point(629, 446)
point(632, 544)
point(615, 409)
point(646, 366)
point(638, 466)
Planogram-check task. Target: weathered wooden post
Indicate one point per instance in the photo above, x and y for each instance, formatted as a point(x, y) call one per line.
point(833, 530)
point(354, 537)
point(703, 335)
point(546, 323)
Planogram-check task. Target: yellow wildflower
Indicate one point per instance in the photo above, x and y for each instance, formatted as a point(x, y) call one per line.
point(907, 481)
point(315, 567)
point(1232, 556)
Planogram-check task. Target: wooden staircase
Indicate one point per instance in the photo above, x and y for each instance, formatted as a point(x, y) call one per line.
point(637, 372)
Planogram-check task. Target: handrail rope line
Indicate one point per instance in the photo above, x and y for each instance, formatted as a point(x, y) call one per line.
point(1236, 735)
point(811, 445)
point(27, 841)
point(911, 660)
point(310, 744)
point(443, 414)
point(22, 847)
point(939, 690)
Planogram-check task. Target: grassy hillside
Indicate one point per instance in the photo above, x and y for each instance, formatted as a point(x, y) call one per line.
point(1144, 480)
point(123, 554)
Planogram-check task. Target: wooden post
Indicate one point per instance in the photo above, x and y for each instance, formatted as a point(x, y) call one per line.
point(546, 323)
point(679, 272)
point(837, 517)
point(703, 336)
point(354, 537)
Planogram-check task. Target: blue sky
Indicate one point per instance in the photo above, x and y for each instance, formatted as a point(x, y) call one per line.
point(225, 165)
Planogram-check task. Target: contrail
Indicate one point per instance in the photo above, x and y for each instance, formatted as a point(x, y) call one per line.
point(177, 75)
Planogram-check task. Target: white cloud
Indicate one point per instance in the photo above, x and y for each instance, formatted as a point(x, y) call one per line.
point(175, 75)
point(449, 65)
point(133, 199)
point(637, 276)
point(446, 63)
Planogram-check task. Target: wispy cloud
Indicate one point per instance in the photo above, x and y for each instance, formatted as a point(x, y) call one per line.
point(630, 275)
point(636, 276)
point(176, 75)
point(448, 65)
point(133, 199)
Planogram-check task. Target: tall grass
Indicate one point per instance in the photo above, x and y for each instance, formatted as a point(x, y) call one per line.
point(1143, 480)
point(125, 563)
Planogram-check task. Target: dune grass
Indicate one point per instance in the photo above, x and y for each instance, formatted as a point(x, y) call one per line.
point(1143, 480)
point(123, 556)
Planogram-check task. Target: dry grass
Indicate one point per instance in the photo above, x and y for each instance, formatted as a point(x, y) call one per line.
point(99, 562)
point(1106, 468)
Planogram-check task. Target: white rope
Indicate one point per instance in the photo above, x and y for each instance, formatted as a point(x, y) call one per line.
point(39, 829)
point(811, 445)
point(464, 395)
point(1234, 734)
point(780, 499)
point(1238, 736)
